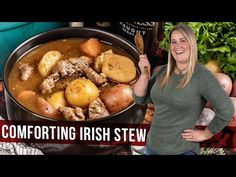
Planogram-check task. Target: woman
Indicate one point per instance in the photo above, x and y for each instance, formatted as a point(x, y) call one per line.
point(179, 92)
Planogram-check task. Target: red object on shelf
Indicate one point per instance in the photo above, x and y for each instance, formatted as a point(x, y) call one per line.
point(233, 92)
point(232, 124)
point(234, 140)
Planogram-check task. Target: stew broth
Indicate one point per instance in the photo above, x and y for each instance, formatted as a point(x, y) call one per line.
point(68, 48)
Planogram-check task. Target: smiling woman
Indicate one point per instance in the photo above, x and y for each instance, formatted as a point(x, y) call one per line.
point(170, 89)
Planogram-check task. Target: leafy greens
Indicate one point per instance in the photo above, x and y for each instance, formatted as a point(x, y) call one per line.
point(215, 40)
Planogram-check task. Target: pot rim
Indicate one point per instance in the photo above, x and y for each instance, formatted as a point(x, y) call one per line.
point(5, 79)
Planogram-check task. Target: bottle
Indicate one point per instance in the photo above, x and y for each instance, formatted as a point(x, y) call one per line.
point(152, 33)
point(157, 55)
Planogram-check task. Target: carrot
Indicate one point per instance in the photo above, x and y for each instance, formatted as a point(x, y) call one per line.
point(25, 95)
point(91, 47)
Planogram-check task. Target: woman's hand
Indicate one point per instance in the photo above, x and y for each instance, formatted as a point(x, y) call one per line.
point(143, 62)
point(140, 87)
point(196, 135)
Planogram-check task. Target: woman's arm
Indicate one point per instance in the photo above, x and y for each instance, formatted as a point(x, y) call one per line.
point(212, 91)
point(142, 85)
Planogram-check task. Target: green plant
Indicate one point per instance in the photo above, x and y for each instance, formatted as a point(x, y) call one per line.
point(215, 40)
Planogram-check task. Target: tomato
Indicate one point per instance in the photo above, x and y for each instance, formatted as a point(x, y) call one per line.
point(234, 102)
point(233, 92)
point(234, 141)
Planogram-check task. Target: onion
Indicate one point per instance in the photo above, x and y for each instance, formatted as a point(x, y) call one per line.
point(206, 117)
point(234, 102)
point(225, 82)
point(232, 122)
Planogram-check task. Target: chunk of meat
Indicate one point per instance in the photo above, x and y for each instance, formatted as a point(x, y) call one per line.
point(72, 114)
point(97, 109)
point(96, 78)
point(65, 68)
point(80, 113)
point(85, 59)
point(47, 85)
point(92, 74)
point(25, 71)
point(76, 62)
point(72, 66)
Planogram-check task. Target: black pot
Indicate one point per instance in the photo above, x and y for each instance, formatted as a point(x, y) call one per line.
point(133, 114)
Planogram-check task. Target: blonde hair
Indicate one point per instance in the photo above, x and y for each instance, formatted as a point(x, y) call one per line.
point(191, 39)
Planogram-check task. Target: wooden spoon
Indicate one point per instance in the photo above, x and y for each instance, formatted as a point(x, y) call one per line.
point(138, 40)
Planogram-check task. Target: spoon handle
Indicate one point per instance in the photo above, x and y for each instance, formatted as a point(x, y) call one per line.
point(138, 39)
point(147, 72)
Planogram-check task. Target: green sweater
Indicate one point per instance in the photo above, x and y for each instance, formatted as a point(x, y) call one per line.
point(179, 109)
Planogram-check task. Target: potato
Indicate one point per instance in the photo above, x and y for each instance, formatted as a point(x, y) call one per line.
point(45, 109)
point(118, 68)
point(48, 61)
point(213, 66)
point(117, 98)
point(91, 47)
point(149, 114)
point(99, 61)
point(81, 92)
point(57, 99)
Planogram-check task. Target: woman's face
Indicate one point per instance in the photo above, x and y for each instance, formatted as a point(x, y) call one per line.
point(179, 47)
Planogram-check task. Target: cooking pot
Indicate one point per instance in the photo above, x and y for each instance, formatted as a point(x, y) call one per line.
point(14, 33)
point(133, 114)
